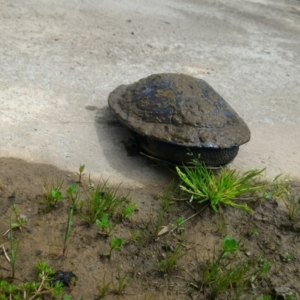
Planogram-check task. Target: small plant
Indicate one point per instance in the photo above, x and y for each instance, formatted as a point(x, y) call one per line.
point(223, 188)
point(115, 243)
point(101, 200)
point(253, 231)
point(20, 220)
point(128, 210)
point(14, 247)
point(288, 256)
point(73, 195)
point(289, 297)
point(170, 261)
point(229, 246)
point(104, 288)
point(294, 209)
point(232, 277)
point(80, 172)
point(120, 286)
point(117, 288)
point(53, 194)
point(45, 274)
point(263, 297)
point(264, 268)
point(105, 226)
point(39, 289)
point(178, 227)
point(134, 236)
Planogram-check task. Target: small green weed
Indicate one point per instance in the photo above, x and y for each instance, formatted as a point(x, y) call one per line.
point(101, 200)
point(265, 297)
point(128, 210)
point(177, 226)
point(134, 236)
point(105, 226)
point(104, 288)
point(252, 231)
point(33, 290)
point(117, 287)
point(73, 195)
point(293, 209)
point(53, 194)
point(120, 286)
point(231, 277)
point(288, 257)
point(115, 243)
point(14, 248)
point(223, 188)
point(167, 264)
point(20, 220)
point(80, 172)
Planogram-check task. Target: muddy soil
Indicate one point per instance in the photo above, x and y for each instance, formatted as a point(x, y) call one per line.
point(269, 233)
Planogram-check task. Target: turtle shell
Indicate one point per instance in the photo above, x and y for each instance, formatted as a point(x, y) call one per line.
point(179, 110)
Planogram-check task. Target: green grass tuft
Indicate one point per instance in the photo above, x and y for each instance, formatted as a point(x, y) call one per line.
point(222, 188)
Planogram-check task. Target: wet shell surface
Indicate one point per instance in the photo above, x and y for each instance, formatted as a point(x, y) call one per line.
point(177, 112)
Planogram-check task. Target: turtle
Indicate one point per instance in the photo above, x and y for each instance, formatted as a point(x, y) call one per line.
point(173, 116)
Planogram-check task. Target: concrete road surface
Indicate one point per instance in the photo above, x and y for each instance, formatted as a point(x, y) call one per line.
point(60, 59)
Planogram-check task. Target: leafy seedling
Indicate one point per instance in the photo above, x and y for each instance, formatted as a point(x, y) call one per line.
point(53, 194)
point(178, 224)
point(262, 271)
point(14, 248)
point(229, 246)
point(20, 220)
point(46, 287)
point(128, 210)
point(80, 172)
point(115, 243)
point(105, 226)
point(288, 256)
point(73, 195)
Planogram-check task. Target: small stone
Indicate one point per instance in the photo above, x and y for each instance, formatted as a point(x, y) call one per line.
point(283, 291)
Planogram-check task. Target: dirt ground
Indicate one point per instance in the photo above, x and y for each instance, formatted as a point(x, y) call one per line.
point(268, 233)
